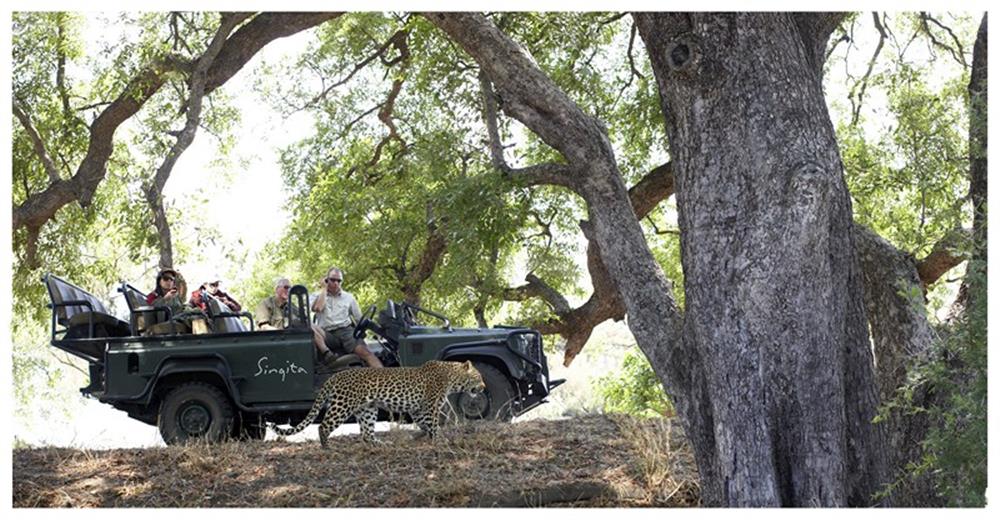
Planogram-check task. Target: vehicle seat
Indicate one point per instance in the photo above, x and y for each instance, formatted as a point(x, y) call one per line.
point(141, 315)
point(77, 318)
point(223, 318)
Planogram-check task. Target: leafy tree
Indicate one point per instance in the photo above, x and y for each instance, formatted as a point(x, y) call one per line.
point(410, 183)
point(77, 192)
point(480, 221)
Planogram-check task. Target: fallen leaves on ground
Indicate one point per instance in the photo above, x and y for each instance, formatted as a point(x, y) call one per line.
point(590, 461)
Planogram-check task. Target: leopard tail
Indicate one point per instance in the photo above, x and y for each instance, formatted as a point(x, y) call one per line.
point(317, 406)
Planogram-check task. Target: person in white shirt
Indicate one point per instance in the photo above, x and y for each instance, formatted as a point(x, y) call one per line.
point(335, 309)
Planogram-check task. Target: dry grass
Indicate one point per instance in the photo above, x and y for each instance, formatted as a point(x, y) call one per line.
point(592, 461)
point(665, 462)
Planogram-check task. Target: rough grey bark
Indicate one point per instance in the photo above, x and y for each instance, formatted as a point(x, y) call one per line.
point(591, 171)
point(894, 300)
point(903, 338)
point(532, 98)
point(978, 131)
point(818, 218)
point(575, 325)
point(773, 288)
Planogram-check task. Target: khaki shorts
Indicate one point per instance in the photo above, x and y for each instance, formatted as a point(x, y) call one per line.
point(340, 341)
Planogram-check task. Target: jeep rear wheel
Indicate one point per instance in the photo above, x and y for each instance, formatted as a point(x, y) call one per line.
point(195, 412)
point(493, 404)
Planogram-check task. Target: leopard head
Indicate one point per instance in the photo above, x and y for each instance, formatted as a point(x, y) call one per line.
point(469, 379)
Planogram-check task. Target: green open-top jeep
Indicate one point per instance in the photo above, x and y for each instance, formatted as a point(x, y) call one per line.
point(231, 381)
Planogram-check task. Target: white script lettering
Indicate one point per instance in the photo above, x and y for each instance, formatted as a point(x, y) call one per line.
point(290, 368)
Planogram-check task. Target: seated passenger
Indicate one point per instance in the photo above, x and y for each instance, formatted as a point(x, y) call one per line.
point(166, 293)
point(212, 287)
point(271, 314)
point(271, 311)
point(169, 286)
point(335, 308)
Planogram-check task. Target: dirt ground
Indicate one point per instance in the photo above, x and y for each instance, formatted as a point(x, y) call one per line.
point(591, 461)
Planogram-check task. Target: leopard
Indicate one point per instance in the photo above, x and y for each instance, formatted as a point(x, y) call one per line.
point(420, 391)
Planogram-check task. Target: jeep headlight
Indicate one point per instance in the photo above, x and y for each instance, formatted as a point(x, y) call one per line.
point(526, 345)
point(521, 344)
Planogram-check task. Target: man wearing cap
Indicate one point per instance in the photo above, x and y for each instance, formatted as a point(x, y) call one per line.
point(212, 287)
point(335, 308)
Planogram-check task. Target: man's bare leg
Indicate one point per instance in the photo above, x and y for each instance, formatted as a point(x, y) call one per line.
point(319, 341)
point(362, 351)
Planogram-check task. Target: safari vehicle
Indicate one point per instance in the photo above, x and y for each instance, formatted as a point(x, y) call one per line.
point(230, 381)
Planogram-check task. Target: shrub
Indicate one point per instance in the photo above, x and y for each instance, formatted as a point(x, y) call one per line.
point(635, 390)
point(954, 449)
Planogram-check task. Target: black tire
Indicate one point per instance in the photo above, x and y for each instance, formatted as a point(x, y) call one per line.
point(195, 412)
point(494, 404)
point(250, 427)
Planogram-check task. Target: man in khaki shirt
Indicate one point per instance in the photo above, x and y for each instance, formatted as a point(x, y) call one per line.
point(334, 309)
point(270, 315)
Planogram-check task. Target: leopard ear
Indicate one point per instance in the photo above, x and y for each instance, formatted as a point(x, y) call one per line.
point(468, 365)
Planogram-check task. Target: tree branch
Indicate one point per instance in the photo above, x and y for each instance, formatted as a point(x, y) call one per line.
point(529, 95)
point(655, 187)
point(434, 249)
point(815, 30)
point(61, 70)
point(871, 65)
point(532, 98)
point(536, 288)
point(253, 36)
point(42, 206)
point(943, 257)
point(633, 71)
point(959, 54)
point(394, 40)
point(385, 109)
point(550, 173)
point(576, 325)
point(38, 208)
point(37, 144)
point(196, 94)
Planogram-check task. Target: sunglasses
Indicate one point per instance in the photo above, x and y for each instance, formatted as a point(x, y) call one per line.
point(168, 278)
point(334, 280)
point(284, 286)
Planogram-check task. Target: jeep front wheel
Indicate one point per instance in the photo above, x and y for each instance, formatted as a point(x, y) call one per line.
point(492, 404)
point(195, 412)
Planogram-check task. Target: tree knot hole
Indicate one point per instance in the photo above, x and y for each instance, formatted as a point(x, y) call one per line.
point(680, 54)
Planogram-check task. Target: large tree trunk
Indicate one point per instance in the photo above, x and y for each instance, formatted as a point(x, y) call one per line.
point(976, 272)
point(773, 376)
point(772, 284)
point(894, 301)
